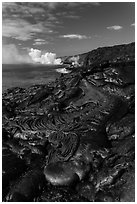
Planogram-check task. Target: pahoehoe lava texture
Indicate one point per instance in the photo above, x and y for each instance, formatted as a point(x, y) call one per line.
point(73, 139)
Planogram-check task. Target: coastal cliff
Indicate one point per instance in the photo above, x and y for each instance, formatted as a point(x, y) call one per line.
point(73, 140)
point(114, 53)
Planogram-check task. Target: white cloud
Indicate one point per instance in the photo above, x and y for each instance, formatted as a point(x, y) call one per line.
point(11, 55)
point(54, 5)
point(75, 4)
point(72, 16)
point(115, 27)
point(40, 42)
point(75, 36)
point(24, 20)
point(34, 10)
point(35, 54)
point(18, 16)
point(46, 58)
point(21, 29)
point(68, 14)
point(21, 10)
point(133, 24)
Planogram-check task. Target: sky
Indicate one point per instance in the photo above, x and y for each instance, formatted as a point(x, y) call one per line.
point(40, 32)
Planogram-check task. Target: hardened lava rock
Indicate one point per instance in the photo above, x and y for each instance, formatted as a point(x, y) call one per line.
point(73, 140)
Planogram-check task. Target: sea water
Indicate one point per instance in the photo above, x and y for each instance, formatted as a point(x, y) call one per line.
point(24, 75)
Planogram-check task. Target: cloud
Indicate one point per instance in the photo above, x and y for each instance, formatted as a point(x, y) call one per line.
point(76, 4)
point(68, 14)
point(133, 24)
point(21, 10)
point(29, 11)
point(75, 36)
point(40, 42)
point(11, 55)
point(115, 27)
point(24, 20)
point(54, 5)
point(22, 30)
point(46, 58)
point(72, 16)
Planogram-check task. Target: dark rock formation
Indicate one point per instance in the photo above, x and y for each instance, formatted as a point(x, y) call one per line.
point(73, 139)
point(117, 53)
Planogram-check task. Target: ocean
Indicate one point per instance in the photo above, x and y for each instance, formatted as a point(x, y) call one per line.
point(24, 75)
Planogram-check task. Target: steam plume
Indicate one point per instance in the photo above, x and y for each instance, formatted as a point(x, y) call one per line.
point(46, 58)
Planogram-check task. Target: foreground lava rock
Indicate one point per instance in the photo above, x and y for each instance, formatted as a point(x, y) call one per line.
point(73, 139)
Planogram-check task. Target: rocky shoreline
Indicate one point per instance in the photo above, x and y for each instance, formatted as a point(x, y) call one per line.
point(73, 140)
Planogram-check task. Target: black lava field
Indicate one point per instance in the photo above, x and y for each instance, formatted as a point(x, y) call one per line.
point(73, 139)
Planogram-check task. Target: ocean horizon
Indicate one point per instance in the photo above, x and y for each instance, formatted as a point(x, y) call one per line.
point(24, 75)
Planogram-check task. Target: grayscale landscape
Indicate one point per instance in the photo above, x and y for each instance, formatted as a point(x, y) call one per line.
point(68, 102)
